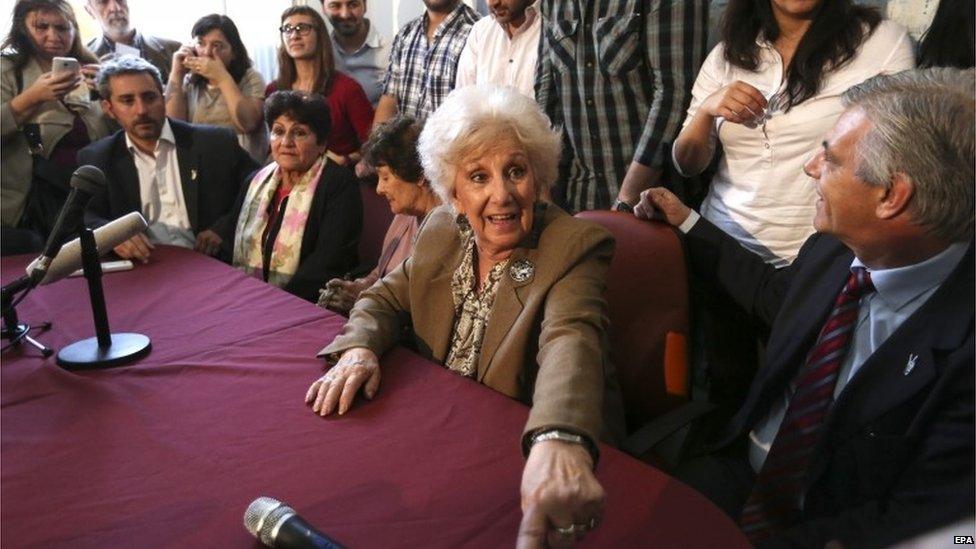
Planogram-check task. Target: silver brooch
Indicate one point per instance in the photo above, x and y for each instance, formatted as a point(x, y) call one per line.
point(521, 270)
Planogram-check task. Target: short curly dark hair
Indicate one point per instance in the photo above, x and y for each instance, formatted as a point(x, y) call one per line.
point(394, 144)
point(307, 108)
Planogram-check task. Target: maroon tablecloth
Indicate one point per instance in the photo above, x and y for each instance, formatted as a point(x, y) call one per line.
point(169, 451)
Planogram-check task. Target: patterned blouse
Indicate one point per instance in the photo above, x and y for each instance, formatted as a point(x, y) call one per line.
point(472, 308)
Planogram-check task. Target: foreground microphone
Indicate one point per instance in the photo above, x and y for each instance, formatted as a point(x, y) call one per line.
point(107, 237)
point(277, 525)
point(85, 183)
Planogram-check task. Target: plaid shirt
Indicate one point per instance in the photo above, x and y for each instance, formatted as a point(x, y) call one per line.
point(421, 75)
point(617, 75)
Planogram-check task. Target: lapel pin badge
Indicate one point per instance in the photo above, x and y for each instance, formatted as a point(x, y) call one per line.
point(193, 174)
point(521, 270)
point(912, 358)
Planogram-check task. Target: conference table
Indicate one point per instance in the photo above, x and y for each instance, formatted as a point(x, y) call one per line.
point(170, 450)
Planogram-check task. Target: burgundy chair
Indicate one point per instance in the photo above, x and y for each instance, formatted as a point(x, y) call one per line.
point(647, 298)
point(376, 220)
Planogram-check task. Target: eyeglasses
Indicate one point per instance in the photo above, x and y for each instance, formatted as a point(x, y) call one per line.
point(776, 104)
point(301, 29)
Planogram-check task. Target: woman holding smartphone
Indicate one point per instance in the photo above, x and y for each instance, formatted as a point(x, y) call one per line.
point(212, 82)
point(43, 121)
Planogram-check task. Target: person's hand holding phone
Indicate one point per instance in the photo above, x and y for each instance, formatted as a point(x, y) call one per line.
point(53, 86)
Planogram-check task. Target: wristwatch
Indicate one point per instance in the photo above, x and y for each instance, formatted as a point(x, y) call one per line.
point(622, 206)
point(564, 436)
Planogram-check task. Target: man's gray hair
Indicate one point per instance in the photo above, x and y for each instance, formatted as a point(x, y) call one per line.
point(923, 125)
point(125, 64)
point(473, 120)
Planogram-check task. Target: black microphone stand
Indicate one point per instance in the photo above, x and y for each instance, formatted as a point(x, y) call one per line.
point(13, 330)
point(106, 349)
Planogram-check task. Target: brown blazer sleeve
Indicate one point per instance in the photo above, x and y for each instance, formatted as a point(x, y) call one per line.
point(572, 359)
point(374, 321)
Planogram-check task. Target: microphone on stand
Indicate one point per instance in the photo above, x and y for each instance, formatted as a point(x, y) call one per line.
point(85, 183)
point(107, 237)
point(277, 525)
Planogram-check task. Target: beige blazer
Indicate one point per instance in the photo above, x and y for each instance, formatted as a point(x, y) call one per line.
point(545, 343)
point(54, 121)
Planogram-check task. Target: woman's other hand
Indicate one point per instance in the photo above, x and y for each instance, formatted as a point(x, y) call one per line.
point(177, 69)
point(343, 294)
point(737, 102)
point(90, 73)
point(561, 498)
point(664, 201)
point(207, 67)
point(357, 367)
point(208, 242)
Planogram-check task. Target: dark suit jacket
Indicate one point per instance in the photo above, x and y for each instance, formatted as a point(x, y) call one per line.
point(330, 243)
point(212, 168)
point(896, 457)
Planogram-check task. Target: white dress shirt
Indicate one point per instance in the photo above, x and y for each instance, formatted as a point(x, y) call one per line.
point(491, 57)
point(760, 194)
point(161, 192)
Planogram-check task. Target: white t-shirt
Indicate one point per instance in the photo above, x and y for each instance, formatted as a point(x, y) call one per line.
point(760, 194)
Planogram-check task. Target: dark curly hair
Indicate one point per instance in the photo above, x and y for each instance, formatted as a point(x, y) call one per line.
point(241, 62)
point(839, 28)
point(18, 41)
point(306, 108)
point(394, 144)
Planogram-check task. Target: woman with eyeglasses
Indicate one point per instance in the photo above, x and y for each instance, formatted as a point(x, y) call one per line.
point(299, 218)
point(46, 117)
point(768, 93)
point(212, 82)
point(306, 63)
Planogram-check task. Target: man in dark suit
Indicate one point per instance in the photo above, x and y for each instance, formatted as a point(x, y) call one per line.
point(859, 426)
point(183, 178)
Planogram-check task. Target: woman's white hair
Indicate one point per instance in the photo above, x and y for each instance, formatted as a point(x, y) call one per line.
point(473, 120)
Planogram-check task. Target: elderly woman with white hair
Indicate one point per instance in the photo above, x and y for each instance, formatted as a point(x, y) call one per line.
point(506, 289)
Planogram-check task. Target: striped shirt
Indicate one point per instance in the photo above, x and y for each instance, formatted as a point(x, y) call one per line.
point(617, 76)
point(421, 74)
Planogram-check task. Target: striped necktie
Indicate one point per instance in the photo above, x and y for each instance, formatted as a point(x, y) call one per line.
point(775, 499)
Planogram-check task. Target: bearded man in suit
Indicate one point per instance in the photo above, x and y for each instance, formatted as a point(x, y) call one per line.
point(182, 177)
point(859, 427)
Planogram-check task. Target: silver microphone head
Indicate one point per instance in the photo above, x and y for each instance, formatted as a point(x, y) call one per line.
point(264, 516)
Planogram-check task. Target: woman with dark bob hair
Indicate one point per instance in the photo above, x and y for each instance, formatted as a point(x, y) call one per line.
point(42, 113)
point(299, 219)
point(768, 93)
point(306, 63)
point(212, 82)
point(392, 150)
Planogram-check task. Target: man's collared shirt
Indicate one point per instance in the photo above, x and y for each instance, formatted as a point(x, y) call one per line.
point(422, 74)
point(899, 293)
point(367, 65)
point(490, 56)
point(617, 79)
point(161, 191)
